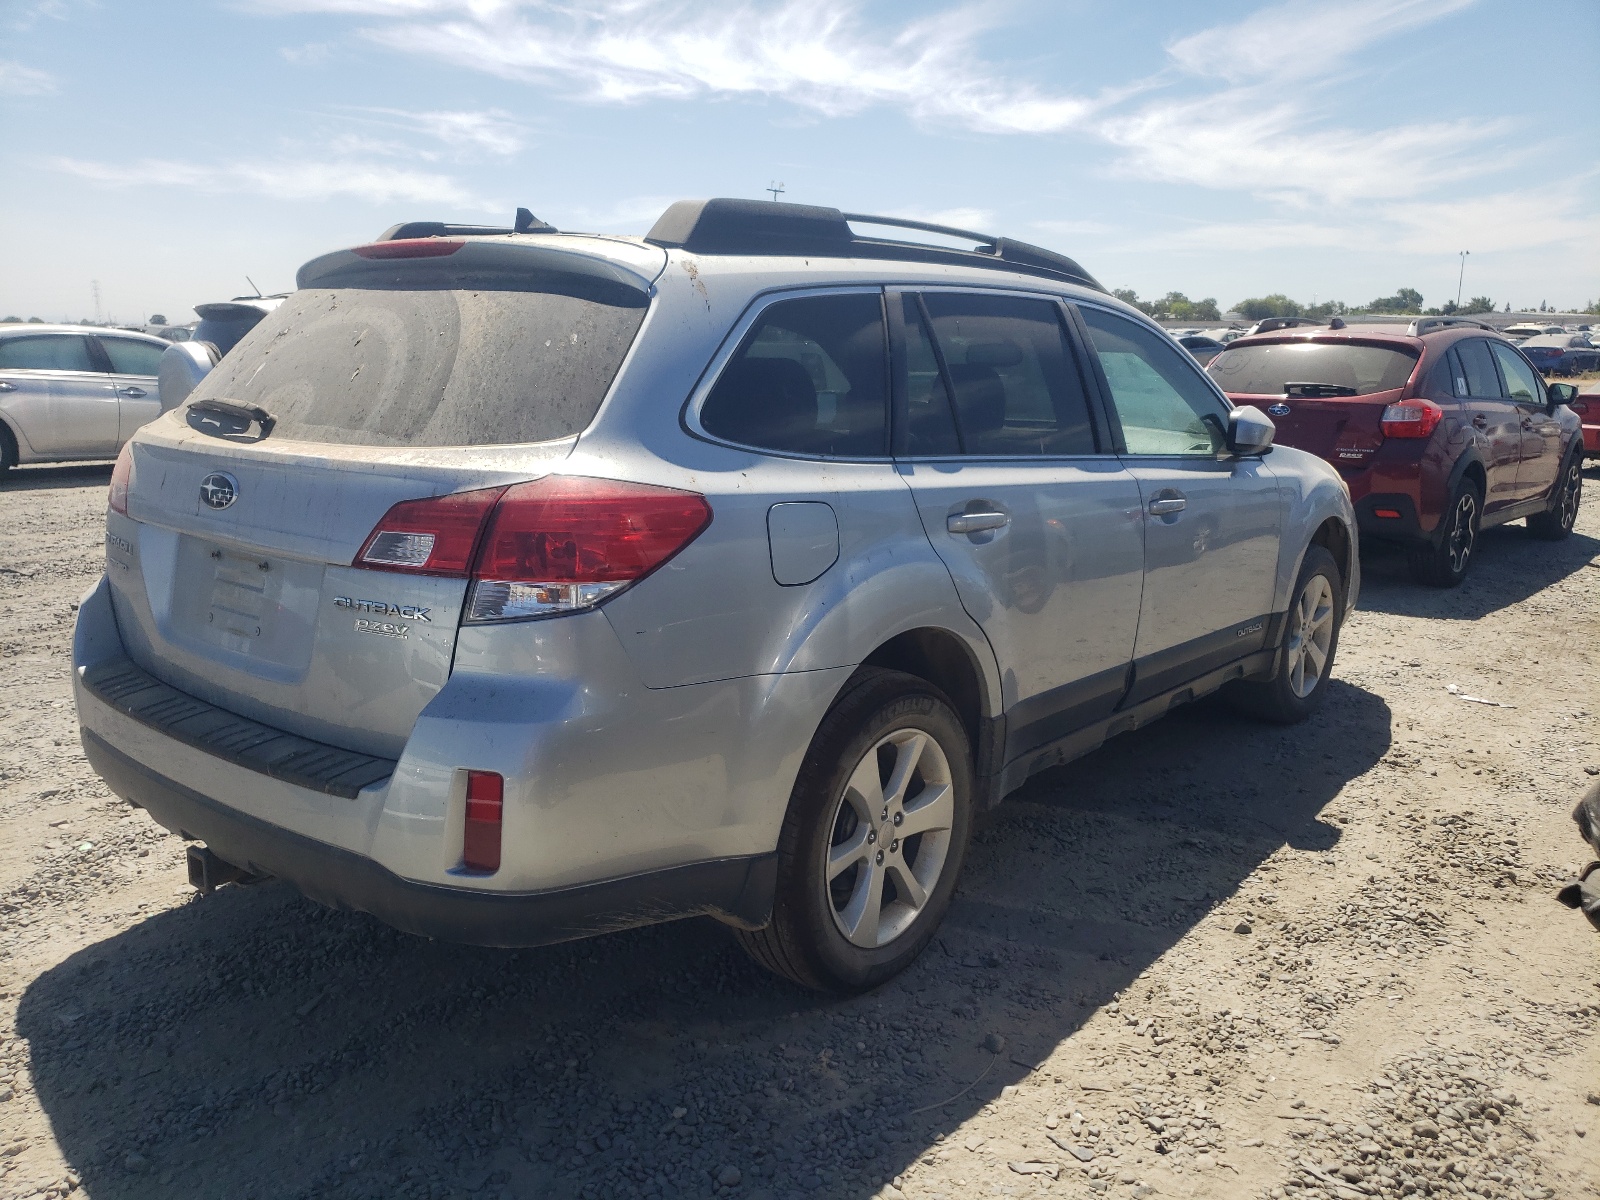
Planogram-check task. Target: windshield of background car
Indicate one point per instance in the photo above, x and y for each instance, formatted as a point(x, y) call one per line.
point(1263, 370)
point(419, 366)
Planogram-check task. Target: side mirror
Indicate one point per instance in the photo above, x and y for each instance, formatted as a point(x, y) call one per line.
point(1250, 431)
point(182, 366)
point(1561, 393)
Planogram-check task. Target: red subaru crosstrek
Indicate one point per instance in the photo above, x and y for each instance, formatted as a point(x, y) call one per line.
point(1440, 428)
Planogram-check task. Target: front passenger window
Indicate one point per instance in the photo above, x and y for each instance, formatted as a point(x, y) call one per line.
point(1522, 385)
point(1163, 403)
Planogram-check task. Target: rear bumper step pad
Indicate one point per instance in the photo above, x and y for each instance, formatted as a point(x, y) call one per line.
point(135, 692)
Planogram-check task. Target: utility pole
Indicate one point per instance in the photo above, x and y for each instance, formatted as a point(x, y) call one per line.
point(775, 188)
point(94, 287)
point(1461, 276)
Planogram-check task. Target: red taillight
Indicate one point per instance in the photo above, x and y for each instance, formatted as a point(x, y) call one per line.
point(411, 248)
point(565, 543)
point(1411, 419)
point(555, 545)
point(121, 480)
point(429, 537)
point(480, 843)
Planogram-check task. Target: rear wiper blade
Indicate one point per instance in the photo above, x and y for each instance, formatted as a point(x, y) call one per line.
point(224, 418)
point(1312, 390)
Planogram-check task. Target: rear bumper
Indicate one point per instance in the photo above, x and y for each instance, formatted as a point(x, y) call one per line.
point(1402, 527)
point(735, 890)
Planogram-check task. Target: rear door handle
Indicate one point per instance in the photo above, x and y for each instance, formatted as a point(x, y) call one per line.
point(1527, 422)
point(1480, 421)
point(1168, 505)
point(976, 522)
point(134, 393)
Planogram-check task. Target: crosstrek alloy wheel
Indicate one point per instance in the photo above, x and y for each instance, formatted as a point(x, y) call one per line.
point(1556, 521)
point(1445, 564)
point(874, 838)
point(1305, 656)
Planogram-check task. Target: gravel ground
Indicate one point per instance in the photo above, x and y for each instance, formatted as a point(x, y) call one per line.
point(1213, 959)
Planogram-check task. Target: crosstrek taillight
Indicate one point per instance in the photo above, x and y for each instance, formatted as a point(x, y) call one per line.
point(1411, 419)
point(556, 545)
point(121, 480)
point(480, 840)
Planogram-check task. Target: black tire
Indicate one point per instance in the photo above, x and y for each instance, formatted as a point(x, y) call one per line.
point(1556, 521)
point(1444, 563)
point(1284, 699)
point(8, 450)
point(806, 940)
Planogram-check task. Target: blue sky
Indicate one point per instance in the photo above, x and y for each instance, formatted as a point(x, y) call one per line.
point(1332, 150)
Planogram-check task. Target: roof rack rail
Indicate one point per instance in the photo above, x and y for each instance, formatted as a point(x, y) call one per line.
point(732, 226)
point(526, 222)
point(1424, 324)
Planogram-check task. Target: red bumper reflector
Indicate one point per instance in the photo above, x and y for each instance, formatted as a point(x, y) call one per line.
point(480, 844)
point(1386, 512)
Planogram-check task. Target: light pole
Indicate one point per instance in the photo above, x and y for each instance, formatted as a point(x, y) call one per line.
point(1461, 276)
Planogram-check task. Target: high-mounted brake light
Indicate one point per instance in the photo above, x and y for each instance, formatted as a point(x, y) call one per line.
point(121, 480)
point(411, 248)
point(480, 840)
point(1411, 419)
point(556, 545)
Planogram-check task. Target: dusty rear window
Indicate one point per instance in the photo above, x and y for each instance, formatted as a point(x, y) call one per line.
point(1264, 370)
point(457, 366)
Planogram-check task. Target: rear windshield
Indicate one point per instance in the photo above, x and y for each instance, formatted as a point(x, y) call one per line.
point(430, 366)
point(1264, 370)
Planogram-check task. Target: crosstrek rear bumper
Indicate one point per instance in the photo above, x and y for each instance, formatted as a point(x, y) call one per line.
point(735, 890)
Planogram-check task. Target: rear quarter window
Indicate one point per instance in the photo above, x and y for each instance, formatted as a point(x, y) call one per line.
point(1264, 370)
point(447, 366)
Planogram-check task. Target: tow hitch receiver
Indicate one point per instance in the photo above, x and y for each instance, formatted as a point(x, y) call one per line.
point(207, 872)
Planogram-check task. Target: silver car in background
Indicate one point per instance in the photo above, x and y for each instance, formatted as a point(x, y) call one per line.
point(515, 586)
point(70, 392)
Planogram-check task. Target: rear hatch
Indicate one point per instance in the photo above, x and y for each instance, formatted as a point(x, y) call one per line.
point(445, 367)
point(1326, 396)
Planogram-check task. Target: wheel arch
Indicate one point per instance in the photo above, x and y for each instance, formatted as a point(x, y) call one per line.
point(945, 660)
point(8, 438)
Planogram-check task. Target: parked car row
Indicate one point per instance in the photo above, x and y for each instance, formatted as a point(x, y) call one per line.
point(514, 586)
point(1439, 429)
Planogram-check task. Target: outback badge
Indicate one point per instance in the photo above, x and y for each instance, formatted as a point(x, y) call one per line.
point(219, 489)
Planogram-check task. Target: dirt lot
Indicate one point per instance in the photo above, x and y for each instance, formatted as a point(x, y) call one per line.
point(1213, 959)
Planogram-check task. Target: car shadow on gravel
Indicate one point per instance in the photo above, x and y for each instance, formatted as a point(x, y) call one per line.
point(253, 1045)
point(1511, 565)
point(42, 478)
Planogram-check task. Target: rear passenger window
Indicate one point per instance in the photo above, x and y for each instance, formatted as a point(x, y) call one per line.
point(129, 357)
point(1017, 389)
point(809, 379)
point(45, 352)
point(1163, 403)
point(1477, 369)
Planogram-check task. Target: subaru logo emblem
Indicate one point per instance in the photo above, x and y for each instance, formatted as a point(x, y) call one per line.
point(1279, 409)
point(219, 489)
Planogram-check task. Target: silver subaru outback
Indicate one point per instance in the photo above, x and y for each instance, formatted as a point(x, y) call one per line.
point(514, 586)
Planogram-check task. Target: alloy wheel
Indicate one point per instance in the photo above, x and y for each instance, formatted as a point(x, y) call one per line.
point(889, 839)
point(1310, 636)
point(1571, 494)
point(1463, 532)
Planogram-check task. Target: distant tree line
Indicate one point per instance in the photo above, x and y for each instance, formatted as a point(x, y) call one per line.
point(1406, 301)
point(1174, 305)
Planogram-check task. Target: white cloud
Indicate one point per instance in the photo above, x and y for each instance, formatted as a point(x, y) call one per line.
point(309, 55)
point(816, 54)
point(18, 80)
point(281, 180)
point(1301, 39)
point(493, 131)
